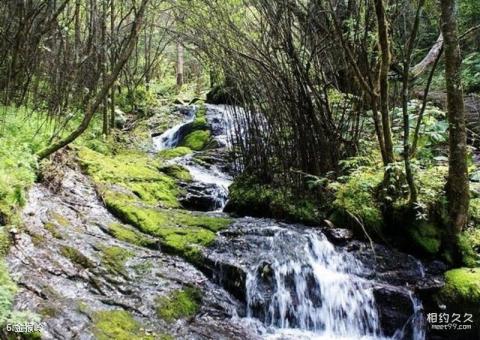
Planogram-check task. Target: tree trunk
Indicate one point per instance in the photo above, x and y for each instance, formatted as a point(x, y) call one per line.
point(93, 106)
point(457, 182)
point(383, 79)
point(179, 65)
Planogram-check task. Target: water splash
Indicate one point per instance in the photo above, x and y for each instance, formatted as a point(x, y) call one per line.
point(171, 137)
point(312, 289)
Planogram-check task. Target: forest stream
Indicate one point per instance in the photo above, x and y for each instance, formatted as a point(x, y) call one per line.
point(261, 278)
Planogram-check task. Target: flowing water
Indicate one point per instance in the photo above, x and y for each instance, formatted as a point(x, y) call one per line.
point(298, 285)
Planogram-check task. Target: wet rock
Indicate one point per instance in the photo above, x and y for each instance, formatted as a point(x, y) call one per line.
point(394, 306)
point(203, 196)
point(120, 118)
point(338, 236)
point(88, 272)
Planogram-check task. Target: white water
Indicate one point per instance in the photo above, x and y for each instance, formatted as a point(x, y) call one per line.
point(171, 137)
point(317, 293)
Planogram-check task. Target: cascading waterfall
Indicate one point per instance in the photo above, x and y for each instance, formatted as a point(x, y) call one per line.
point(171, 137)
point(301, 286)
point(314, 288)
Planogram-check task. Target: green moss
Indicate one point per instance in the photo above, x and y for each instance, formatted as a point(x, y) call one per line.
point(76, 257)
point(178, 304)
point(179, 231)
point(174, 153)
point(358, 197)
point(248, 197)
point(53, 230)
point(196, 140)
point(122, 233)
point(426, 237)
point(4, 242)
point(7, 293)
point(133, 171)
point(469, 244)
point(59, 219)
point(49, 311)
point(177, 171)
point(119, 325)
point(200, 123)
point(462, 285)
point(114, 258)
point(474, 210)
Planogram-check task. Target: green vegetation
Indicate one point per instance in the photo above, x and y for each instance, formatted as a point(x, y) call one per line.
point(248, 197)
point(76, 257)
point(426, 237)
point(168, 154)
point(469, 242)
point(114, 258)
point(179, 231)
point(53, 230)
point(177, 171)
point(125, 234)
point(182, 303)
point(462, 285)
point(133, 171)
point(196, 140)
point(118, 324)
point(7, 292)
point(358, 197)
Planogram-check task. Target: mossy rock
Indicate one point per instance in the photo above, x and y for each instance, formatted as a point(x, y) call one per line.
point(461, 293)
point(133, 171)
point(196, 140)
point(182, 303)
point(114, 258)
point(169, 154)
point(179, 231)
point(53, 230)
point(426, 237)
point(125, 234)
point(76, 257)
point(118, 325)
point(177, 171)
point(469, 244)
point(59, 219)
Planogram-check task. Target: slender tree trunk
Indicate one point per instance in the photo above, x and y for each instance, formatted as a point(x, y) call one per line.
point(383, 79)
point(179, 65)
point(405, 98)
point(112, 62)
point(93, 105)
point(457, 182)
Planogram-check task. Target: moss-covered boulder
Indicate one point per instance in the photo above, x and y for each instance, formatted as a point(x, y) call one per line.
point(182, 303)
point(179, 231)
point(461, 295)
point(121, 232)
point(133, 171)
point(196, 140)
